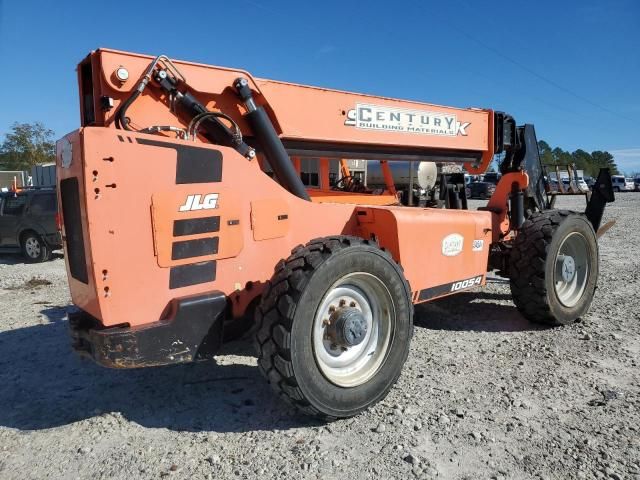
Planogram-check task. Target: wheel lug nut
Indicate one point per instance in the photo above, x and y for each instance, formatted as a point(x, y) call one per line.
point(342, 303)
point(352, 304)
point(325, 322)
point(333, 346)
point(344, 349)
point(332, 309)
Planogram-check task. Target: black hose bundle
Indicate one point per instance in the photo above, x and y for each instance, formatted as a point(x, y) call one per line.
point(121, 116)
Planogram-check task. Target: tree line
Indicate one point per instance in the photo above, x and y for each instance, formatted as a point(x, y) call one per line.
point(26, 145)
point(29, 144)
point(591, 163)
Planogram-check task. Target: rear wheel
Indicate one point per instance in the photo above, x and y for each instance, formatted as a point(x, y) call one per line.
point(334, 326)
point(554, 267)
point(34, 249)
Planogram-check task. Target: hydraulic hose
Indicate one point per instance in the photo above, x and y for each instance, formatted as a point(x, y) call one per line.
point(270, 142)
point(121, 116)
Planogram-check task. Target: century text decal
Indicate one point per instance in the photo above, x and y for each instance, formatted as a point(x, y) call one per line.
point(378, 117)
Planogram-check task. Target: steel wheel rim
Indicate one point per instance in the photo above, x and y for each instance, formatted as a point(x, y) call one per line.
point(571, 272)
point(355, 365)
point(32, 247)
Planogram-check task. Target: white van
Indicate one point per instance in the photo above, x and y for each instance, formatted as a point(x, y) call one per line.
point(621, 184)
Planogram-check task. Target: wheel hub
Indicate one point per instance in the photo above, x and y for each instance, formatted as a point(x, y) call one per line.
point(32, 247)
point(568, 268)
point(347, 327)
point(353, 329)
point(572, 269)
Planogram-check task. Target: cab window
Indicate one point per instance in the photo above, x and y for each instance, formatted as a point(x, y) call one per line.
point(309, 168)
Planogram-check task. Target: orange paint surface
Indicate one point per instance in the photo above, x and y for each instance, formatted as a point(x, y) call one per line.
point(299, 112)
point(129, 198)
point(126, 229)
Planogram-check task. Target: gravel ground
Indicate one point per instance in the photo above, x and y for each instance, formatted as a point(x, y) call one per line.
point(484, 394)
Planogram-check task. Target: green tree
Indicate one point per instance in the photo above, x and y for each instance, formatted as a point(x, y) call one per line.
point(561, 157)
point(545, 152)
point(604, 160)
point(591, 163)
point(27, 144)
point(584, 161)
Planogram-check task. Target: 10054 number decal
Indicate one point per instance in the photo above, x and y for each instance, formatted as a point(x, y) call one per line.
point(471, 282)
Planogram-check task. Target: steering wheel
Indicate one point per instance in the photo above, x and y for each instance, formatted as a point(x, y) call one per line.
point(348, 183)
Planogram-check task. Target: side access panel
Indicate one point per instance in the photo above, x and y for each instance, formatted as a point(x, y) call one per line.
point(441, 251)
point(189, 223)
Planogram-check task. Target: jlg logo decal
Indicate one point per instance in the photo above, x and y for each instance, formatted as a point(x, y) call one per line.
point(472, 282)
point(193, 202)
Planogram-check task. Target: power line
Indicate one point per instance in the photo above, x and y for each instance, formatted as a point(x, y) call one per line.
point(534, 73)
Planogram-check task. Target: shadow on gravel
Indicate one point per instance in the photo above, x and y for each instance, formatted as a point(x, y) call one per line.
point(11, 259)
point(17, 258)
point(473, 311)
point(44, 384)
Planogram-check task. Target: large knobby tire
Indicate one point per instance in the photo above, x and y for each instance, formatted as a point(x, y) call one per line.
point(553, 267)
point(303, 350)
point(34, 248)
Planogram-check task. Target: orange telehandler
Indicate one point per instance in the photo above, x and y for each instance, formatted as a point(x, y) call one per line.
point(184, 216)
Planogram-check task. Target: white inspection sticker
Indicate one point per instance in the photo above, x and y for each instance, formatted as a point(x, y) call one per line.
point(477, 246)
point(452, 245)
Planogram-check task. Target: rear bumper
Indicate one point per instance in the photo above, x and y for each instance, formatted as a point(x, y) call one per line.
point(193, 332)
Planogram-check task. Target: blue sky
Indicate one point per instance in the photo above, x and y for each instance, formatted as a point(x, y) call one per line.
point(572, 68)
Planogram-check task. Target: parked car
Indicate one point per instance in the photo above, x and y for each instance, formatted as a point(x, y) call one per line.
point(29, 223)
point(492, 177)
point(579, 183)
point(631, 186)
point(582, 184)
point(590, 181)
point(481, 190)
point(468, 179)
point(622, 184)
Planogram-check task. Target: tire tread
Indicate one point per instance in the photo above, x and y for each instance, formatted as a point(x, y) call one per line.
point(275, 314)
point(527, 265)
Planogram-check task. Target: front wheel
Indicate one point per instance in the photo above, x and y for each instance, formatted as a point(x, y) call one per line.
point(334, 326)
point(553, 267)
point(34, 249)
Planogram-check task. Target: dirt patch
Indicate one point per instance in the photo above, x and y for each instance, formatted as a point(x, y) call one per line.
point(30, 284)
